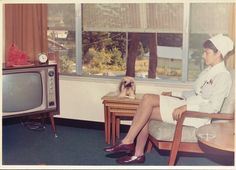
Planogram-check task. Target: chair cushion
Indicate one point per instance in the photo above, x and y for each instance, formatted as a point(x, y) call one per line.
point(165, 131)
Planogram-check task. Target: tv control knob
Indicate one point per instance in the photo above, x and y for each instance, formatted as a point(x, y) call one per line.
point(51, 103)
point(51, 73)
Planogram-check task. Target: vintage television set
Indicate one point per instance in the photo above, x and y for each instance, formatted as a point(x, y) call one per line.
point(30, 90)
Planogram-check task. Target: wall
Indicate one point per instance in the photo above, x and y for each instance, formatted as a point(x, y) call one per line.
point(80, 97)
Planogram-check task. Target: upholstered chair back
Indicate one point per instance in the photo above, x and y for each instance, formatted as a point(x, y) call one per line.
point(229, 103)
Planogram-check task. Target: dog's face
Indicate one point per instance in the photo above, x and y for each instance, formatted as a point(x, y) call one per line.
point(127, 86)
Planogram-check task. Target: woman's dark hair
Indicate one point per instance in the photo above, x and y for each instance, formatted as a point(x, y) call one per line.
point(210, 45)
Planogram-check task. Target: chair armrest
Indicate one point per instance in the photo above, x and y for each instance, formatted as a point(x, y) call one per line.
point(222, 116)
point(179, 125)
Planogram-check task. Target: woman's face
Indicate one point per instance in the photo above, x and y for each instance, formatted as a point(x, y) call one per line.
point(209, 56)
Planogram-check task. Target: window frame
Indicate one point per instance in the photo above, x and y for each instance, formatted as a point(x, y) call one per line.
point(186, 26)
point(78, 38)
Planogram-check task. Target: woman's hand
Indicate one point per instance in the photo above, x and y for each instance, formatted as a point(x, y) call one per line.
point(169, 93)
point(178, 112)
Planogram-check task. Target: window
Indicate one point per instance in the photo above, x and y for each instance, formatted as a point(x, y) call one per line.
point(136, 34)
point(213, 19)
point(61, 36)
point(156, 40)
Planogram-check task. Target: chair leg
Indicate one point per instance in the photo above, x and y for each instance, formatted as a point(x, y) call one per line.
point(174, 151)
point(149, 146)
point(172, 157)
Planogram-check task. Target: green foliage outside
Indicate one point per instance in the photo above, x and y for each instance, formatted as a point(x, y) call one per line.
point(103, 52)
point(103, 61)
point(66, 64)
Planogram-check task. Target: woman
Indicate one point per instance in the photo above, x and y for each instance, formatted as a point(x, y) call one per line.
point(210, 90)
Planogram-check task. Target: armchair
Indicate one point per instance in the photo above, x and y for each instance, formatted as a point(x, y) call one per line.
point(167, 136)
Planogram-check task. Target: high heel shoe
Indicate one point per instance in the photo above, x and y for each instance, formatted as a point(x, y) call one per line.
point(120, 147)
point(131, 160)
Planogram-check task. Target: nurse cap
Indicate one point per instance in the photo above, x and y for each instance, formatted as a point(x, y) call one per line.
point(223, 43)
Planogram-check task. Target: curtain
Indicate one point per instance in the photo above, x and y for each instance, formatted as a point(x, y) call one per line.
point(26, 27)
point(230, 62)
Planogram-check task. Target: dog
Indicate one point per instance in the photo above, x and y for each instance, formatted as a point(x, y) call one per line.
point(127, 87)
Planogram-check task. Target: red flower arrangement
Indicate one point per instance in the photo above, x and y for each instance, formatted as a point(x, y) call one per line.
point(16, 57)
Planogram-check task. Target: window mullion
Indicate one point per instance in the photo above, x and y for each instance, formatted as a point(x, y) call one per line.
point(185, 41)
point(78, 34)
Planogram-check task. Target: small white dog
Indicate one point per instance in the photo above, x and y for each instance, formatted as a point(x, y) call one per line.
point(127, 87)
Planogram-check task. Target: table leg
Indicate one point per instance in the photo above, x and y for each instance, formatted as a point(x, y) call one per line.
point(113, 123)
point(108, 126)
point(106, 123)
point(118, 127)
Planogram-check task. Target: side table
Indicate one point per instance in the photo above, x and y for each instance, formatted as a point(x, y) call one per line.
point(113, 104)
point(217, 135)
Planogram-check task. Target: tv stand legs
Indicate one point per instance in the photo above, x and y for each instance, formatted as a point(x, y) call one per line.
point(51, 115)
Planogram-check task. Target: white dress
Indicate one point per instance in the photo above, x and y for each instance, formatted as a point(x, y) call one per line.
point(210, 90)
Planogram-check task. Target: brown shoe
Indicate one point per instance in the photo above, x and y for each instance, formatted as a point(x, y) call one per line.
point(131, 160)
point(120, 147)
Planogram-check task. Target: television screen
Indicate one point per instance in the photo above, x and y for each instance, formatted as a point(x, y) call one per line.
point(22, 91)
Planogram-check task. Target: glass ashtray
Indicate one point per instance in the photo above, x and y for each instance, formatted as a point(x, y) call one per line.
point(206, 136)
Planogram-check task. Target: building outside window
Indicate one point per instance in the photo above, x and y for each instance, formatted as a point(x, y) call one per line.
point(160, 41)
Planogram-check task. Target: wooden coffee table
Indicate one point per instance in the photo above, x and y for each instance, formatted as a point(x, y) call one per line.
point(217, 135)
